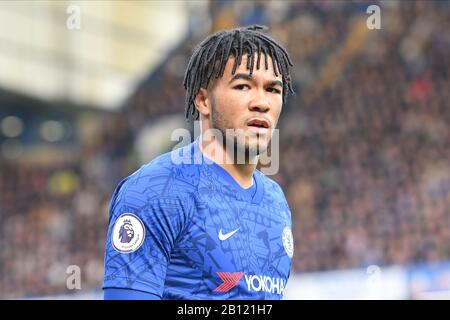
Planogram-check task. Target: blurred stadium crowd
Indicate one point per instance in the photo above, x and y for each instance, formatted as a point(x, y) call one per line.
point(365, 149)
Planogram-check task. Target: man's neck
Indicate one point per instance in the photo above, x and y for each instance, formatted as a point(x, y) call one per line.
point(242, 173)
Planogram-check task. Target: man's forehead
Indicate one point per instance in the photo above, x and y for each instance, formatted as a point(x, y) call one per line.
point(242, 67)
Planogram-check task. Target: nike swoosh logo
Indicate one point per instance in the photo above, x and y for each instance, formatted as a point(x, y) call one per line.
point(226, 235)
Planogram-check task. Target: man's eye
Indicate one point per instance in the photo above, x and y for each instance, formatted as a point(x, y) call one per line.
point(242, 87)
point(274, 90)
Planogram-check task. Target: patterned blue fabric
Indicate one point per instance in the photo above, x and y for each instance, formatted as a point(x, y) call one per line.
point(205, 236)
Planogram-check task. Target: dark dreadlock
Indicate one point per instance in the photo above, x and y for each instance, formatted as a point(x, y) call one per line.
point(211, 55)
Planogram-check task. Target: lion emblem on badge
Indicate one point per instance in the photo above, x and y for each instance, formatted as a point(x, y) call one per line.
point(126, 232)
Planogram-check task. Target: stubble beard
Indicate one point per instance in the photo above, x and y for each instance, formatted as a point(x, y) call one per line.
point(237, 139)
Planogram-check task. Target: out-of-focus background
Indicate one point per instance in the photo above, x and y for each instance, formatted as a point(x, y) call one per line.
point(91, 90)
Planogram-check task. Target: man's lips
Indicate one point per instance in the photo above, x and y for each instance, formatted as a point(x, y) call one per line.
point(258, 125)
point(258, 129)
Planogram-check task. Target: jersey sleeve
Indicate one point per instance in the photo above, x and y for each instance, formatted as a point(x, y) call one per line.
point(144, 225)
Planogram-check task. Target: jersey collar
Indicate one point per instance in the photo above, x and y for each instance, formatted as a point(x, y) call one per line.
point(249, 194)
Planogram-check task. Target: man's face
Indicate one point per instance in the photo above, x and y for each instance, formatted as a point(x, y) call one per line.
point(250, 105)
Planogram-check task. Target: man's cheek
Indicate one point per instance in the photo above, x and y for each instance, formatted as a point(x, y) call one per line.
point(276, 116)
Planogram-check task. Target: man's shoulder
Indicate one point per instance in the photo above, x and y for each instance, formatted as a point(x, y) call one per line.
point(269, 183)
point(165, 175)
point(271, 187)
point(275, 194)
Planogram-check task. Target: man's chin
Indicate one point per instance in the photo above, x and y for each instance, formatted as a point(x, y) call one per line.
point(257, 146)
point(249, 147)
point(255, 149)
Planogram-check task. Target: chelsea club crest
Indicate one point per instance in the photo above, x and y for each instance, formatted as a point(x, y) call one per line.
point(288, 241)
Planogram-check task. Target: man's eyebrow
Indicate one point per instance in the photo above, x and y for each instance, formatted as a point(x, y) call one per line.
point(243, 76)
point(276, 83)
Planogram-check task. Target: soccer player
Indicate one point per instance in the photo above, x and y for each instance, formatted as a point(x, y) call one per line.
point(195, 223)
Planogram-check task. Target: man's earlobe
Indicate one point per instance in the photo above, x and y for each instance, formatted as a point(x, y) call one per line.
point(202, 102)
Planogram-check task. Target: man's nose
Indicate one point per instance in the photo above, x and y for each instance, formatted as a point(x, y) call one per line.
point(260, 102)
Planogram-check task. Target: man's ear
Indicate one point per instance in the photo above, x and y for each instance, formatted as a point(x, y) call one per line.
point(203, 102)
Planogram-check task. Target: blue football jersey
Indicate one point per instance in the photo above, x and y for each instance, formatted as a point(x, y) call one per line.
point(181, 227)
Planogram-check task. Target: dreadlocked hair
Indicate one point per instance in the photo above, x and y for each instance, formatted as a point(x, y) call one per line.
point(211, 55)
